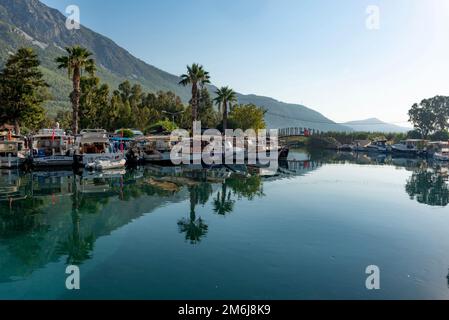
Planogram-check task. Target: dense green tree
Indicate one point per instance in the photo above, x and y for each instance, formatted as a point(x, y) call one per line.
point(76, 61)
point(225, 96)
point(197, 77)
point(94, 100)
point(430, 115)
point(248, 116)
point(22, 90)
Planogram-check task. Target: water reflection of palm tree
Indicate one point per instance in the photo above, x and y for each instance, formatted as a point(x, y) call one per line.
point(76, 247)
point(223, 204)
point(429, 186)
point(194, 228)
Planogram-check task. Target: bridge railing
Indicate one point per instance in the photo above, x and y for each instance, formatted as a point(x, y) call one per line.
point(297, 131)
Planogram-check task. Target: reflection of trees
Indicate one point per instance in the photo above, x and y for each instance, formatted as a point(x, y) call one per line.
point(194, 228)
point(223, 204)
point(246, 187)
point(428, 186)
point(76, 247)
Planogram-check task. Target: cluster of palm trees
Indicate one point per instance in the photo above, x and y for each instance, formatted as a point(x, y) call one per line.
point(197, 77)
point(79, 60)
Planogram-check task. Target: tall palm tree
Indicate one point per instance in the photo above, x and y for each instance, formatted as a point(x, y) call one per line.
point(225, 96)
point(197, 77)
point(76, 61)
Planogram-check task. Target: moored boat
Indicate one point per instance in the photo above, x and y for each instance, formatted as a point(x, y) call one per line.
point(377, 146)
point(52, 148)
point(409, 147)
point(13, 151)
point(93, 146)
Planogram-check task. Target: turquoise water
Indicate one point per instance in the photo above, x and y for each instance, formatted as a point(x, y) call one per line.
point(307, 232)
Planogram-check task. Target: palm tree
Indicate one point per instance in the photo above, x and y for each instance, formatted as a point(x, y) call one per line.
point(197, 77)
point(225, 95)
point(76, 60)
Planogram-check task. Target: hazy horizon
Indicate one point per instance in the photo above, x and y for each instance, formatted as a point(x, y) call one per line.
point(317, 53)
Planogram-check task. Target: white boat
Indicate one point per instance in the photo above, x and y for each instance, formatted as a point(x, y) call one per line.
point(377, 146)
point(13, 152)
point(52, 147)
point(443, 155)
point(411, 146)
point(93, 146)
point(102, 165)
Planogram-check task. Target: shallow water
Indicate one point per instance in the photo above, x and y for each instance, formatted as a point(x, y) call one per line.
point(307, 232)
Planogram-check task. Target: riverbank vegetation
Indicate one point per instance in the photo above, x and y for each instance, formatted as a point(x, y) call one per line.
point(96, 105)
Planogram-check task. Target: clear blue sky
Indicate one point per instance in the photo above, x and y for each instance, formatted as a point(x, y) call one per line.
point(316, 52)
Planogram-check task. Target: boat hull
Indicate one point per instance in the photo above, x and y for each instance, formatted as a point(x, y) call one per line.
point(89, 159)
point(53, 161)
point(11, 162)
point(102, 165)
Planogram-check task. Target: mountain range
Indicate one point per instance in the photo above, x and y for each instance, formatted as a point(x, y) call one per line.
point(375, 125)
point(32, 23)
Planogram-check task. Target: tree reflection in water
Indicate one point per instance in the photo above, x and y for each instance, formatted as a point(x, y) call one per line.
point(77, 248)
point(232, 189)
point(429, 186)
point(194, 228)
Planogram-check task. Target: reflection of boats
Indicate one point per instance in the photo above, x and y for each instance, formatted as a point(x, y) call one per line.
point(443, 155)
point(53, 183)
point(93, 145)
point(10, 185)
point(116, 173)
point(13, 151)
point(52, 147)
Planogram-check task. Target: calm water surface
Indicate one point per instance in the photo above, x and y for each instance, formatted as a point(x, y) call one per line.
point(306, 232)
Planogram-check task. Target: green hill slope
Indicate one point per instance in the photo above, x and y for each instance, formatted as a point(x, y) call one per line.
point(31, 23)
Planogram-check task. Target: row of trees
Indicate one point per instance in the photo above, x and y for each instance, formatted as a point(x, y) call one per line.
point(430, 118)
point(23, 92)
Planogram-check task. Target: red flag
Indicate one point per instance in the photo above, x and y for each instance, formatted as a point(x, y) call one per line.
point(9, 135)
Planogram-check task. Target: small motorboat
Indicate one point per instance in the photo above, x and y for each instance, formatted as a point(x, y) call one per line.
point(443, 155)
point(377, 146)
point(410, 146)
point(346, 148)
point(106, 164)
